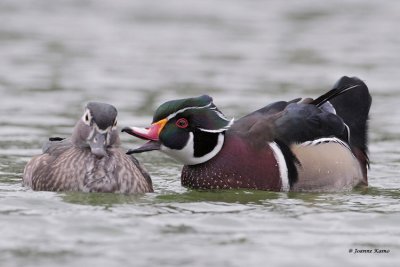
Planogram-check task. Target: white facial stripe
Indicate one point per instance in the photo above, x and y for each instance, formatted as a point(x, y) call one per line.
point(186, 154)
point(222, 116)
point(219, 130)
point(95, 130)
point(188, 108)
point(100, 130)
point(219, 114)
point(170, 116)
point(213, 153)
point(213, 131)
point(283, 170)
point(108, 140)
point(91, 135)
point(114, 127)
point(183, 154)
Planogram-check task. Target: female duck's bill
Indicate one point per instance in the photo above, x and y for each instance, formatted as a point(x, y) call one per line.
point(90, 160)
point(97, 128)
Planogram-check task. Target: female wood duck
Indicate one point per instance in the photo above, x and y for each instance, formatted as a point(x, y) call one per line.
point(90, 160)
point(301, 145)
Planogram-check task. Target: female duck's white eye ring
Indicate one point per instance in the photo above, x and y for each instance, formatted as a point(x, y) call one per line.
point(115, 123)
point(182, 123)
point(87, 117)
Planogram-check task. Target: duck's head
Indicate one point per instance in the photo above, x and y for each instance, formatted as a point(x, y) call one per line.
point(97, 128)
point(190, 130)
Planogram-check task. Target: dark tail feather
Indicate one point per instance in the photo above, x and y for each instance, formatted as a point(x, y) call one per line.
point(337, 90)
point(353, 107)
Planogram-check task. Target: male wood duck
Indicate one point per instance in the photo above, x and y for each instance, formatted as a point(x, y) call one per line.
point(302, 145)
point(90, 160)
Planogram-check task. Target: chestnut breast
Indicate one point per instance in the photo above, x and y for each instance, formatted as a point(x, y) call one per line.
point(237, 165)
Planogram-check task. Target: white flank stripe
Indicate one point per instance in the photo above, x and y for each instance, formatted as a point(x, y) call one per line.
point(280, 159)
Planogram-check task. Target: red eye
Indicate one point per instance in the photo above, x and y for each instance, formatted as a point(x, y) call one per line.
point(182, 123)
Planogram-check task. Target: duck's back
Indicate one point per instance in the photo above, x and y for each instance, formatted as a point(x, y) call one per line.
point(315, 147)
point(63, 167)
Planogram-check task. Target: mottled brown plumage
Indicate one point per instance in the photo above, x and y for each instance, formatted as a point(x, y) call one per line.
point(89, 161)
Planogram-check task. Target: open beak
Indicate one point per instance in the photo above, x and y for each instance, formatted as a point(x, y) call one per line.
point(152, 134)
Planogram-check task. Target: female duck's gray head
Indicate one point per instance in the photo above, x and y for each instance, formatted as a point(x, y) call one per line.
point(97, 129)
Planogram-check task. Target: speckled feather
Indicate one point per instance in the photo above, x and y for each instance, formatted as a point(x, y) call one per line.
point(222, 172)
point(291, 123)
point(68, 168)
point(90, 160)
point(263, 149)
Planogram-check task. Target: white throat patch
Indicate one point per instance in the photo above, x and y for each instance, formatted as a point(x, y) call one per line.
point(186, 154)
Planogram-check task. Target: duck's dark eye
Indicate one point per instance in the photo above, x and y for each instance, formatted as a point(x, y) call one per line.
point(115, 123)
point(87, 117)
point(182, 123)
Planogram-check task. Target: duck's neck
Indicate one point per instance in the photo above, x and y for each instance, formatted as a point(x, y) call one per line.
point(78, 136)
point(200, 147)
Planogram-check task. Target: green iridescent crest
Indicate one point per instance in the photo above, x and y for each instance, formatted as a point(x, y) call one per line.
point(200, 111)
point(174, 106)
